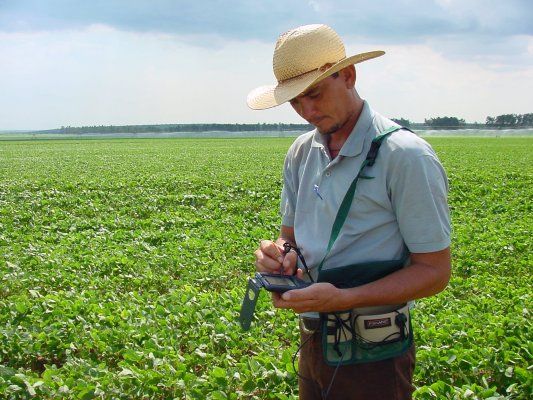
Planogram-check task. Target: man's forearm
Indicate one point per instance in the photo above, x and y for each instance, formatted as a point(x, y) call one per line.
point(286, 234)
point(427, 275)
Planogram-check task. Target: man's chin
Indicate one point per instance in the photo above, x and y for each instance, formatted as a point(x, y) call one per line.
point(328, 130)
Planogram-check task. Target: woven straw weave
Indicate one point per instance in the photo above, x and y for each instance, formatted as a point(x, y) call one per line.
point(299, 57)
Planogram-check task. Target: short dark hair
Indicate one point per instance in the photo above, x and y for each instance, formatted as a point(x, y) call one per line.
point(335, 75)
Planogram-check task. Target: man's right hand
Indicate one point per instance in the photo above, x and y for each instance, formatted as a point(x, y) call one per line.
point(270, 257)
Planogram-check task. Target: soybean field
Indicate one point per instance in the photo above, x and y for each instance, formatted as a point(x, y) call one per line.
point(123, 263)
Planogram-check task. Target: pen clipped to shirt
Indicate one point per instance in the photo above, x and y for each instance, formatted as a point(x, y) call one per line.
point(315, 189)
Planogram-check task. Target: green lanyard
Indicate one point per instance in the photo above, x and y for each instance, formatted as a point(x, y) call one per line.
point(348, 197)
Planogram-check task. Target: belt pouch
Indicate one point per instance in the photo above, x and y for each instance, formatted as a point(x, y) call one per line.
point(351, 338)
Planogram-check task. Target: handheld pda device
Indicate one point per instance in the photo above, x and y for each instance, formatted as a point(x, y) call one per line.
point(273, 283)
point(280, 283)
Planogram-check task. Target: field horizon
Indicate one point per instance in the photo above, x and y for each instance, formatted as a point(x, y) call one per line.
point(472, 133)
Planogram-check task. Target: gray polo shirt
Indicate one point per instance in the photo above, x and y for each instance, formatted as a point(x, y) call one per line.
point(404, 208)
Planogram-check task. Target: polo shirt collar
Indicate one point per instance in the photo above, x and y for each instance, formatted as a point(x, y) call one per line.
point(355, 142)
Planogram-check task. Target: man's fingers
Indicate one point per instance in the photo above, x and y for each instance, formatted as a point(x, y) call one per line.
point(321, 297)
point(287, 299)
point(300, 306)
point(299, 294)
point(289, 262)
point(270, 249)
point(276, 297)
point(264, 263)
point(270, 257)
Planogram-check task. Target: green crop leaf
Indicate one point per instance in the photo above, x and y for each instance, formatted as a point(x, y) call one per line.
point(132, 355)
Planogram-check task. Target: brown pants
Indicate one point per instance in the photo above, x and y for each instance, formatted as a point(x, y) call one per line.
point(381, 380)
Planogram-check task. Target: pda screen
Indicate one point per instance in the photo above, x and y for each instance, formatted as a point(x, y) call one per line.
point(274, 280)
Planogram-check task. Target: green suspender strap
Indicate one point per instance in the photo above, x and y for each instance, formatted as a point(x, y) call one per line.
point(355, 351)
point(343, 213)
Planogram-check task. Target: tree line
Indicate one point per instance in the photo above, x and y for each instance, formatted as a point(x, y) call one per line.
point(168, 128)
point(500, 121)
point(511, 120)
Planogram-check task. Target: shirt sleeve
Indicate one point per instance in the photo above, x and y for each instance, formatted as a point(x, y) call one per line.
point(288, 193)
point(418, 190)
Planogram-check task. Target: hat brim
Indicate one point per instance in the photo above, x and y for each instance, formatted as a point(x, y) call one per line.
point(274, 95)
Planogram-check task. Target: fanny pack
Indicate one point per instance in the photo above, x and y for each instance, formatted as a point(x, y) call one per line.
point(374, 333)
point(366, 334)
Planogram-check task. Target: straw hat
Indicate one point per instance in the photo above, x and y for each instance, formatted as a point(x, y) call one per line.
point(303, 57)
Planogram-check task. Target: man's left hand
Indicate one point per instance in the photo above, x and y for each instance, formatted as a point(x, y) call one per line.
point(320, 297)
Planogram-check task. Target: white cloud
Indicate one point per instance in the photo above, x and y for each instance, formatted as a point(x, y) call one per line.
point(101, 75)
point(104, 76)
point(417, 82)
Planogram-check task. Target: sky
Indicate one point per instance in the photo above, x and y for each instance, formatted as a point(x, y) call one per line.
point(118, 62)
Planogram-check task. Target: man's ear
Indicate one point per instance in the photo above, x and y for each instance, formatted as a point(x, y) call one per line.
point(349, 76)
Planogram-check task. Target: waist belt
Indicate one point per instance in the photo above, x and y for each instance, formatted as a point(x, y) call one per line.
point(309, 325)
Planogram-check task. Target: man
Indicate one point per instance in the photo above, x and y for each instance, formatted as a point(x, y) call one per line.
point(398, 213)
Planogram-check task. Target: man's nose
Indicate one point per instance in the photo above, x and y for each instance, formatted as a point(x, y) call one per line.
point(308, 110)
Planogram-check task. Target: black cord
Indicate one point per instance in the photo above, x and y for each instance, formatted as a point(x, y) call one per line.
point(287, 248)
point(349, 325)
point(296, 353)
point(341, 323)
point(326, 393)
point(369, 344)
point(341, 327)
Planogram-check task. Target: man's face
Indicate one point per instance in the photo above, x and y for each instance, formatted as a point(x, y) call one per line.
point(326, 105)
